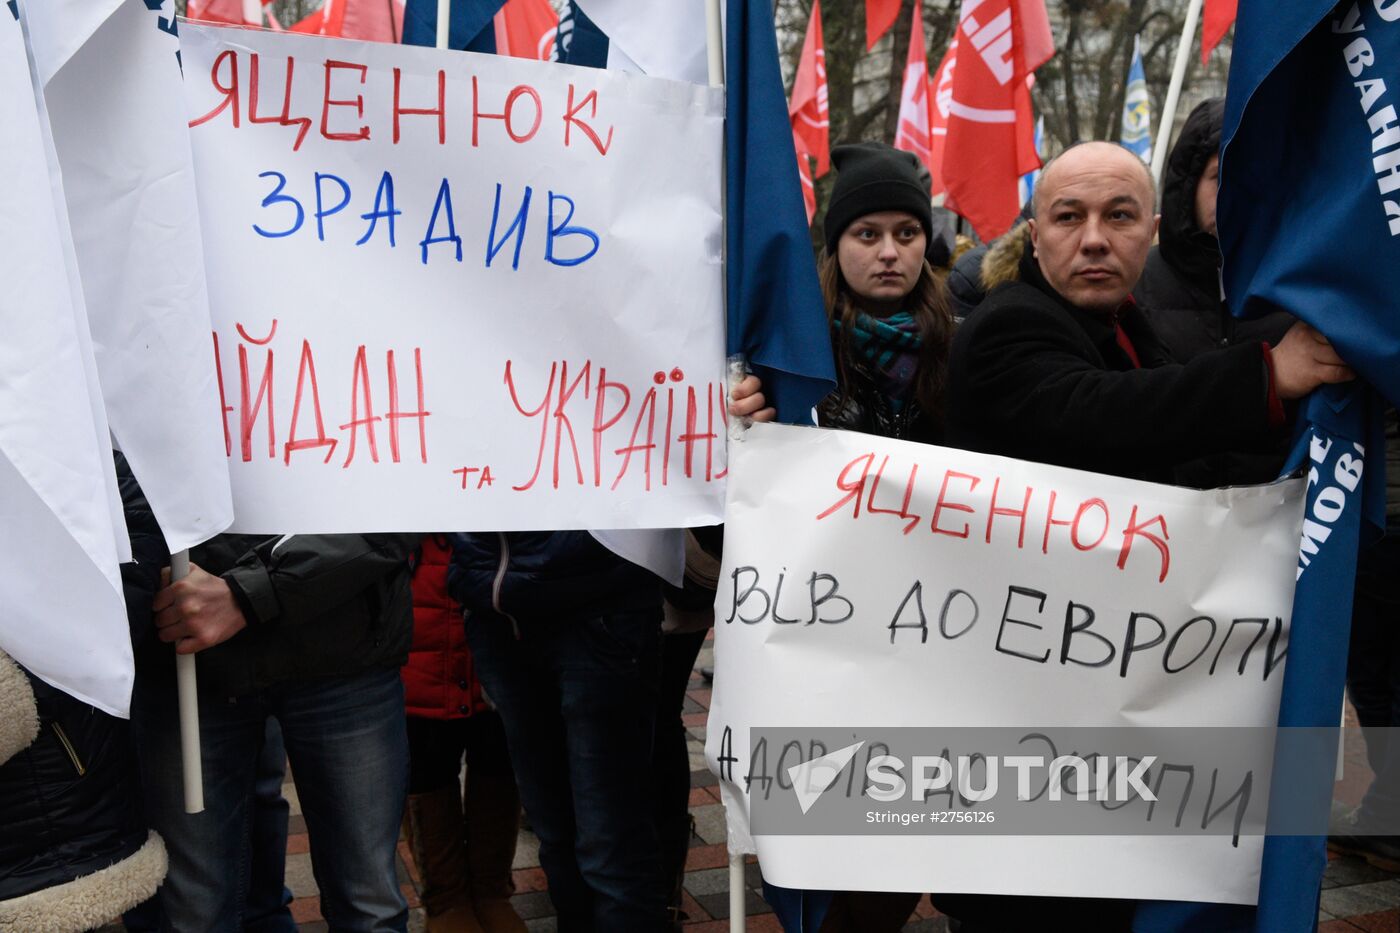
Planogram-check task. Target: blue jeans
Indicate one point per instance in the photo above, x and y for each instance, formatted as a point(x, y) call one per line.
point(349, 755)
point(265, 909)
point(578, 696)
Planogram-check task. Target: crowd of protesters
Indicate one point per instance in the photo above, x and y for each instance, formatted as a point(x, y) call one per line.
point(375, 665)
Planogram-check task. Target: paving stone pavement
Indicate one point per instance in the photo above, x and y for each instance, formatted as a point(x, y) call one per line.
point(1355, 896)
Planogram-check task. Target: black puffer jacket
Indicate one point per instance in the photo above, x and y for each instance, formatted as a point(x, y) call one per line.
point(69, 809)
point(859, 405)
point(542, 574)
point(1180, 292)
point(74, 850)
point(317, 606)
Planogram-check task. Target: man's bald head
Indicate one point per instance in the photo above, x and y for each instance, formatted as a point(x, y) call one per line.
point(1096, 150)
point(1094, 223)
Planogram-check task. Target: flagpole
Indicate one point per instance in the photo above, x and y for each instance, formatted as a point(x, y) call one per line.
point(1183, 56)
point(714, 45)
point(187, 690)
point(444, 21)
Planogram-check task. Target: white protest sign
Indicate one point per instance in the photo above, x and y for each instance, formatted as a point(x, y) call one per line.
point(877, 583)
point(458, 291)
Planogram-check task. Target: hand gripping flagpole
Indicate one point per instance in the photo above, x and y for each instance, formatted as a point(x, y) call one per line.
point(1183, 56)
point(714, 35)
point(187, 690)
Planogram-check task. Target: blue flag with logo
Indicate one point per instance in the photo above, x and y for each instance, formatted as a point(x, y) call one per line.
point(469, 28)
point(1309, 218)
point(1137, 109)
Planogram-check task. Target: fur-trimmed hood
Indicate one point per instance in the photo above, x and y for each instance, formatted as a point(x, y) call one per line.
point(19, 715)
point(1002, 263)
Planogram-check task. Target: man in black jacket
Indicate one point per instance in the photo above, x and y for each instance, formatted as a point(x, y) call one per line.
point(311, 629)
point(1060, 366)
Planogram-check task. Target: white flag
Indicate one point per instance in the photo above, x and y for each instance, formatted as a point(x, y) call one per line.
point(115, 107)
point(61, 610)
point(66, 26)
point(664, 40)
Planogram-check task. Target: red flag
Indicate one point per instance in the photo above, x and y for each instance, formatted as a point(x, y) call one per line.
point(370, 20)
point(1219, 15)
point(913, 133)
point(804, 174)
point(940, 92)
point(327, 21)
point(879, 17)
point(991, 130)
point(526, 28)
point(811, 120)
point(808, 113)
point(324, 22)
point(1033, 32)
point(220, 11)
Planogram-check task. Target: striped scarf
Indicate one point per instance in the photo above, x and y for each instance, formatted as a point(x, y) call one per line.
point(889, 346)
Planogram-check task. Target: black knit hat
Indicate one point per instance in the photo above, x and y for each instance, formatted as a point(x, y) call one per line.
point(872, 177)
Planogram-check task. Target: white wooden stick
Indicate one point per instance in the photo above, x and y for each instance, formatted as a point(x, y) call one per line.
point(444, 20)
point(188, 692)
point(1183, 56)
point(737, 919)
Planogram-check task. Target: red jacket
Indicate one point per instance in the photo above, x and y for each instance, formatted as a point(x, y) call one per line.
point(439, 679)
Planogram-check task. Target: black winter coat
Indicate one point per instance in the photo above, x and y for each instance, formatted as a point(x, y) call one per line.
point(859, 405)
point(1036, 378)
point(67, 802)
point(545, 574)
point(1190, 321)
point(317, 606)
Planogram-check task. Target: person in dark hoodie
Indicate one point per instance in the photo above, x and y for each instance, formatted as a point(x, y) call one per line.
point(1180, 291)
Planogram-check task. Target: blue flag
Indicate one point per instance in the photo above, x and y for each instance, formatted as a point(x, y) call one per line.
point(1309, 208)
point(776, 314)
point(1308, 223)
point(1137, 109)
point(578, 41)
point(470, 28)
point(777, 317)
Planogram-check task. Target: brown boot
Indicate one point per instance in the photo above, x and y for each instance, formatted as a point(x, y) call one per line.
point(433, 825)
point(493, 822)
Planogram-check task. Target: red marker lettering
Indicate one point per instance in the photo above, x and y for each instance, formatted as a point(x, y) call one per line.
point(571, 120)
point(358, 102)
